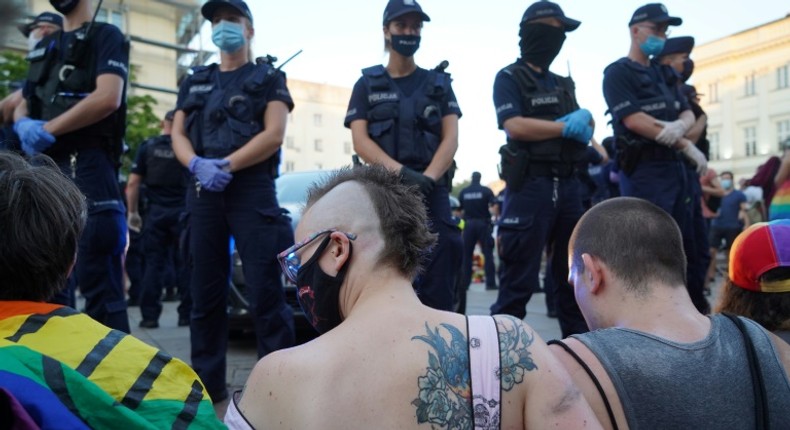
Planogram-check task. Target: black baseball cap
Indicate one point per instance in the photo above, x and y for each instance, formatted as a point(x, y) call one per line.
point(546, 9)
point(654, 12)
point(678, 45)
point(211, 6)
point(396, 8)
point(48, 17)
point(170, 115)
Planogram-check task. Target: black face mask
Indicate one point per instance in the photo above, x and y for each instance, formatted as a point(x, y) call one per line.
point(688, 69)
point(405, 45)
point(540, 44)
point(319, 293)
point(64, 6)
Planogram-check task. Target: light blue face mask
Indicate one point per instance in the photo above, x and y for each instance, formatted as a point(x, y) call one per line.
point(652, 46)
point(726, 183)
point(228, 36)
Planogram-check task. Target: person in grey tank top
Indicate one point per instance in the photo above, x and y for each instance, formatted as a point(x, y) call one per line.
point(758, 286)
point(652, 360)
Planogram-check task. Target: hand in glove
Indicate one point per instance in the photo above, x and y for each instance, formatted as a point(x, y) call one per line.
point(577, 125)
point(210, 172)
point(411, 177)
point(33, 136)
point(671, 131)
point(135, 222)
point(695, 156)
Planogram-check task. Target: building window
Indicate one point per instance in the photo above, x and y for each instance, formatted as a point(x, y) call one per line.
point(782, 131)
point(713, 92)
point(113, 17)
point(782, 80)
point(715, 151)
point(289, 142)
point(750, 140)
point(318, 145)
point(347, 147)
point(748, 85)
point(289, 166)
point(317, 120)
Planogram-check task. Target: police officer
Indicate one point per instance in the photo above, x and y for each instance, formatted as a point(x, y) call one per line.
point(165, 179)
point(75, 112)
point(676, 55)
point(547, 136)
point(476, 199)
point(651, 118)
point(406, 118)
point(229, 124)
point(43, 25)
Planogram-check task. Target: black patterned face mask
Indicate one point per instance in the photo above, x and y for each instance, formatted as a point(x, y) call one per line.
point(64, 6)
point(319, 293)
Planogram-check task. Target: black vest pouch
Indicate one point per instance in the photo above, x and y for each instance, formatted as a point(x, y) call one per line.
point(40, 63)
point(383, 133)
point(513, 166)
point(629, 153)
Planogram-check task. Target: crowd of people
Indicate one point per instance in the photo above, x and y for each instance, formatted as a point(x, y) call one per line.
point(630, 230)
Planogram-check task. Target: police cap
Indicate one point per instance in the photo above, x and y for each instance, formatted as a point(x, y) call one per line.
point(546, 9)
point(170, 115)
point(210, 8)
point(48, 17)
point(678, 45)
point(396, 8)
point(654, 12)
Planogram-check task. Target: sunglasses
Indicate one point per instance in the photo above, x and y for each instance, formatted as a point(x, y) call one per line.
point(291, 262)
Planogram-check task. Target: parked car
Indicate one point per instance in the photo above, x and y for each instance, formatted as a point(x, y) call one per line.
point(292, 195)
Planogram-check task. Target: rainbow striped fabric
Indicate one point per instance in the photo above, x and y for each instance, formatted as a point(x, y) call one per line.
point(69, 371)
point(780, 205)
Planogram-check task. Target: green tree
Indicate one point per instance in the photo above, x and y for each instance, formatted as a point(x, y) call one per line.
point(141, 124)
point(13, 68)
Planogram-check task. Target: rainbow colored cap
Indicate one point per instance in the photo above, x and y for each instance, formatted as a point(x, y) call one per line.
point(758, 249)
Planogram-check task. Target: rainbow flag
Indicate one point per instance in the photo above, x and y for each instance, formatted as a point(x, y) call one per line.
point(104, 377)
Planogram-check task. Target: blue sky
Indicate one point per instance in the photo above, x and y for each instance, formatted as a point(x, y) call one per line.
point(341, 37)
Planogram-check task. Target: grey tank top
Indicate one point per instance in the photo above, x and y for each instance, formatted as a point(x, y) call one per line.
point(701, 385)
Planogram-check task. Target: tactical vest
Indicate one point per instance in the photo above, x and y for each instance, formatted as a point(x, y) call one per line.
point(220, 120)
point(540, 102)
point(162, 166)
point(408, 129)
point(62, 80)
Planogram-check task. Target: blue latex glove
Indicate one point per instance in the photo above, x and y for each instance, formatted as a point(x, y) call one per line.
point(210, 173)
point(577, 125)
point(33, 136)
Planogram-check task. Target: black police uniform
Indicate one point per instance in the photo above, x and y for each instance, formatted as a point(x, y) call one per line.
point(542, 199)
point(475, 200)
point(223, 111)
point(405, 119)
point(165, 182)
point(63, 70)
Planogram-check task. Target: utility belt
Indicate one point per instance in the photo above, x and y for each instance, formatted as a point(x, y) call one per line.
point(65, 147)
point(632, 151)
point(517, 165)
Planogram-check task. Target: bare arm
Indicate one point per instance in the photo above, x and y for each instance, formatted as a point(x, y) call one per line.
point(8, 105)
point(443, 158)
point(531, 129)
point(601, 150)
point(182, 146)
point(264, 144)
point(647, 126)
point(99, 104)
point(695, 132)
point(368, 149)
point(715, 189)
point(133, 192)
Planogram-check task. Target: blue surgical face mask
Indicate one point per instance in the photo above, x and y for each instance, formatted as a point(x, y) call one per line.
point(726, 183)
point(405, 45)
point(652, 46)
point(228, 36)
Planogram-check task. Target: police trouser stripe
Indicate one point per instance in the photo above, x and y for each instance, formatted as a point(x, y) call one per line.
point(34, 322)
point(99, 352)
point(191, 405)
point(145, 381)
point(56, 380)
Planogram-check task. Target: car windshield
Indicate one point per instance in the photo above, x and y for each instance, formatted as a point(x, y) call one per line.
point(292, 187)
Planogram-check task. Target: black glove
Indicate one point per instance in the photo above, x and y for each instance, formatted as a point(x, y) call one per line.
point(411, 177)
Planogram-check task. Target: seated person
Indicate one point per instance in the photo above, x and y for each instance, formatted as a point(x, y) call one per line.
point(384, 359)
point(104, 377)
point(659, 362)
point(759, 282)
